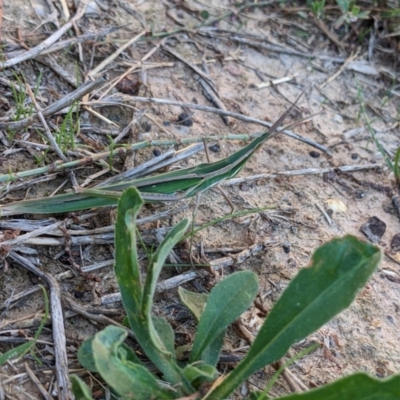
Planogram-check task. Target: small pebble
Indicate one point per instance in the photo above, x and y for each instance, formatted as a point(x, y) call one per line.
point(338, 119)
point(314, 154)
point(180, 15)
point(146, 126)
point(292, 262)
point(185, 119)
point(156, 153)
point(373, 229)
point(390, 318)
point(244, 187)
point(395, 243)
point(354, 156)
point(216, 148)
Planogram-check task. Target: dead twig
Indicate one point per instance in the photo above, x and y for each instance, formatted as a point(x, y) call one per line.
point(307, 171)
point(34, 52)
point(188, 276)
point(122, 99)
point(61, 369)
point(37, 382)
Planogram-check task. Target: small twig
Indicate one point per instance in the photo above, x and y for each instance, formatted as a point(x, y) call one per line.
point(124, 99)
point(330, 35)
point(288, 376)
point(113, 56)
point(274, 82)
point(188, 276)
point(340, 70)
point(61, 370)
point(37, 382)
point(35, 51)
point(73, 306)
point(324, 213)
point(70, 42)
point(196, 69)
point(307, 171)
point(64, 74)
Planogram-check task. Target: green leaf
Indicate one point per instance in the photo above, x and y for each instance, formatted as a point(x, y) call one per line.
point(354, 387)
point(17, 351)
point(129, 380)
point(155, 265)
point(226, 302)
point(339, 269)
point(344, 5)
point(195, 302)
point(165, 333)
point(85, 355)
point(211, 353)
point(197, 374)
point(127, 267)
point(80, 389)
point(136, 300)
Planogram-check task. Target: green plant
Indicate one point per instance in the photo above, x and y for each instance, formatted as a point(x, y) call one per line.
point(338, 270)
point(317, 7)
point(65, 134)
point(350, 13)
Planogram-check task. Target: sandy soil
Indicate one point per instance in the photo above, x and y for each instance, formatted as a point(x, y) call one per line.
point(363, 338)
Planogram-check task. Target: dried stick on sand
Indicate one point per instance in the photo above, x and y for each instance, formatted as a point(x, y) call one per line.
point(34, 52)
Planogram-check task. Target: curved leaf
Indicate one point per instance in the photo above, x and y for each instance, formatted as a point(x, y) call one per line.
point(80, 390)
point(226, 302)
point(129, 380)
point(354, 387)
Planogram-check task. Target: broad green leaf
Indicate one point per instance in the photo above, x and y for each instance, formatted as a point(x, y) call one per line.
point(85, 355)
point(195, 302)
point(196, 374)
point(226, 302)
point(344, 5)
point(86, 359)
point(339, 269)
point(155, 265)
point(354, 387)
point(165, 333)
point(80, 389)
point(211, 353)
point(129, 380)
point(127, 267)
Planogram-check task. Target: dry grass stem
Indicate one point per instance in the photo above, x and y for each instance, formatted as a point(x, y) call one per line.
point(63, 384)
point(120, 99)
point(36, 51)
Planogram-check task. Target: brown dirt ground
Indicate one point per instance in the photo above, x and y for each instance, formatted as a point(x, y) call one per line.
point(366, 336)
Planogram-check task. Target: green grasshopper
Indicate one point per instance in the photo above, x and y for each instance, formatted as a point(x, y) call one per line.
point(169, 186)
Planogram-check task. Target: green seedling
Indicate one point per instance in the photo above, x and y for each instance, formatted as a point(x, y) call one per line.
point(337, 271)
point(65, 134)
